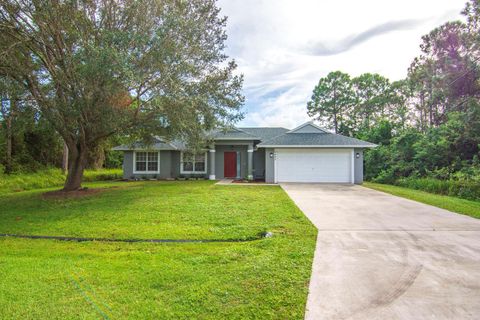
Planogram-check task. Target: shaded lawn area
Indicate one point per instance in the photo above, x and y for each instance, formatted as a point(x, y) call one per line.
point(52, 279)
point(462, 206)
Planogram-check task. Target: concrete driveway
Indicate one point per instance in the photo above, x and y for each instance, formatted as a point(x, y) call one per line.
point(383, 257)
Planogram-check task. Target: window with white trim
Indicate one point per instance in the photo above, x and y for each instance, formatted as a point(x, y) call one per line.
point(193, 163)
point(146, 162)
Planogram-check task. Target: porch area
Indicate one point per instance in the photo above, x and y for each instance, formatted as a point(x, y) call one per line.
point(236, 160)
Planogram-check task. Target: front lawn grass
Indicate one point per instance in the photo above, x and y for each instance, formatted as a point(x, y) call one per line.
point(467, 207)
point(51, 279)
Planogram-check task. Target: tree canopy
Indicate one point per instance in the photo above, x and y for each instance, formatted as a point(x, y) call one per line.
point(99, 68)
point(331, 99)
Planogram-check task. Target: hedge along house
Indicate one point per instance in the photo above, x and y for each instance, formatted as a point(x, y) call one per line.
point(304, 154)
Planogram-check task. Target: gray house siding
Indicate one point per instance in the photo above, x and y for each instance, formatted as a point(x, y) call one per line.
point(169, 166)
point(175, 164)
point(259, 164)
point(127, 165)
point(358, 166)
point(269, 166)
point(165, 166)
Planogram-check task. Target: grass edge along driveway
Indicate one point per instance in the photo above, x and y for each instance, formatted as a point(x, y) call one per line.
point(56, 280)
point(462, 206)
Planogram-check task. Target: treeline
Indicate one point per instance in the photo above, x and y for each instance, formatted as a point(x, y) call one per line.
point(28, 142)
point(427, 125)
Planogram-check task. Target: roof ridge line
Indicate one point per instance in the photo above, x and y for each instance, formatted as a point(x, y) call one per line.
point(264, 128)
point(311, 123)
point(282, 134)
point(238, 129)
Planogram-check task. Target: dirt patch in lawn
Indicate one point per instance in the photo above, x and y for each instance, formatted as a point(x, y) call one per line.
point(61, 194)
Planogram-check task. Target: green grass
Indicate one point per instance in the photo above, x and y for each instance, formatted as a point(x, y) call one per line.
point(50, 178)
point(467, 207)
point(51, 279)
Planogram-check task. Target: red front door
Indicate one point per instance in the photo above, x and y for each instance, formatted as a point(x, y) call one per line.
point(229, 164)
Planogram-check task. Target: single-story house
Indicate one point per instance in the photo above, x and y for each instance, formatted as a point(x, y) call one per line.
point(307, 153)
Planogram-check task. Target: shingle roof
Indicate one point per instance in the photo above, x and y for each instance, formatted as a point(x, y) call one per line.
point(235, 134)
point(269, 137)
point(158, 144)
point(315, 139)
point(265, 133)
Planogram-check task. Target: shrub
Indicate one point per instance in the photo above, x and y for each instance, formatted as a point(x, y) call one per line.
point(102, 175)
point(386, 176)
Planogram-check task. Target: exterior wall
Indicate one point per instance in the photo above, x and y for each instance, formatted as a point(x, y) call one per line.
point(259, 164)
point(175, 165)
point(165, 165)
point(219, 154)
point(211, 163)
point(269, 165)
point(127, 165)
point(358, 166)
point(169, 166)
point(263, 165)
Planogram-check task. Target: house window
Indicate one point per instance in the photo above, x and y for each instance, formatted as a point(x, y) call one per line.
point(193, 163)
point(146, 162)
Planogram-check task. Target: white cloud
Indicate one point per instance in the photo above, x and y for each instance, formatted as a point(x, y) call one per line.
point(286, 110)
point(272, 41)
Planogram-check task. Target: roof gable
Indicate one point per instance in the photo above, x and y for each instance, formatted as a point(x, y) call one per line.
point(308, 127)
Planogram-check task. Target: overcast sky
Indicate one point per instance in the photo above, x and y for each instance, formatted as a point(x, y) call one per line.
point(283, 47)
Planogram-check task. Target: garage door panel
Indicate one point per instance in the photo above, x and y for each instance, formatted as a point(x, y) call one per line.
point(313, 165)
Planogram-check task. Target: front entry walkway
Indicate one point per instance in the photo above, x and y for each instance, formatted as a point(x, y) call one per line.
point(383, 257)
point(231, 182)
point(225, 181)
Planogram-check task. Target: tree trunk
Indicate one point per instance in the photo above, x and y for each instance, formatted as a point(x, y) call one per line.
point(100, 161)
point(430, 115)
point(335, 108)
point(8, 114)
point(76, 166)
point(96, 158)
point(8, 160)
point(65, 158)
point(335, 123)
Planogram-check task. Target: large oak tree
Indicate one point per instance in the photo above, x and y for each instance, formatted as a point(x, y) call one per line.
point(96, 68)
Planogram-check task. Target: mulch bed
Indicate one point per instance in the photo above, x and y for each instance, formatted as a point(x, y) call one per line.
point(61, 194)
point(248, 181)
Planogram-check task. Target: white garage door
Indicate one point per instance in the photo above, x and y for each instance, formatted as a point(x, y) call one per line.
point(313, 165)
